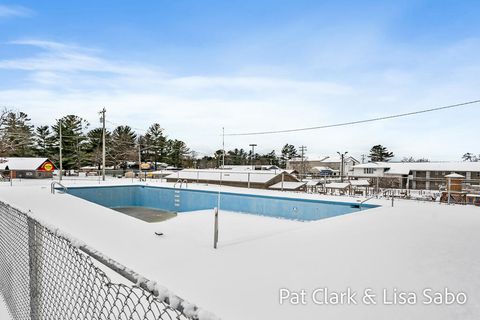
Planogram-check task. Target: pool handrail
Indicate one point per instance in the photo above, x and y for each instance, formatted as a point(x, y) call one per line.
point(178, 181)
point(52, 187)
point(181, 183)
point(363, 201)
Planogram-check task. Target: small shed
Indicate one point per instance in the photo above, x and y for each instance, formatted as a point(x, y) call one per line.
point(454, 193)
point(28, 168)
point(454, 181)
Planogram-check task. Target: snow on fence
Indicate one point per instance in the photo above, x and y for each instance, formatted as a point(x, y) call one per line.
point(45, 274)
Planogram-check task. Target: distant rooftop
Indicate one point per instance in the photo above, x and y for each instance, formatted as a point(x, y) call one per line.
point(21, 163)
point(405, 167)
point(255, 176)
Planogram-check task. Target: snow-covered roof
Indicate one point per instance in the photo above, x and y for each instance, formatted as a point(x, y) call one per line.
point(314, 182)
point(21, 163)
point(326, 159)
point(288, 185)
point(255, 176)
point(310, 158)
point(337, 185)
point(249, 167)
point(338, 159)
point(404, 168)
point(454, 175)
point(320, 169)
point(373, 165)
point(360, 183)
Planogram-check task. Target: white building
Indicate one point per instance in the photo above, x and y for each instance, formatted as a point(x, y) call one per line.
point(417, 175)
point(312, 163)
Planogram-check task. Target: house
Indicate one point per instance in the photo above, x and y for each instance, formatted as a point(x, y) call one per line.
point(324, 172)
point(334, 163)
point(30, 168)
point(417, 175)
point(261, 179)
point(251, 168)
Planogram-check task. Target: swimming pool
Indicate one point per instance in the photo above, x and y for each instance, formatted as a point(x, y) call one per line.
point(184, 200)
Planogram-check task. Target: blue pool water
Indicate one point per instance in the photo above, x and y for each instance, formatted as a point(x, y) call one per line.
point(183, 200)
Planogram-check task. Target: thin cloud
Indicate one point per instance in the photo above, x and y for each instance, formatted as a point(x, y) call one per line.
point(14, 11)
point(62, 78)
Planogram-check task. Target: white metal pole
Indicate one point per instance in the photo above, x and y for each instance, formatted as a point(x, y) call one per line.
point(215, 229)
point(283, 179)
point(60, 148)
point(223, 148)
point(139, 161)
point(103, 143)
point(449, 189)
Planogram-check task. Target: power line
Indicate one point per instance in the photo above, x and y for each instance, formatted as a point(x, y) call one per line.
point(119, 124)
point(342, 124)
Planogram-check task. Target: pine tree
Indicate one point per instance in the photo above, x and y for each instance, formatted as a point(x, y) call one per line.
point(470, 157)
point(270, 158)
point(44, 142)
point(288, 152)
point(177, 152)
point(156, 142)
point(94, 147)
point(124, 146)
point(237, 157)
point(218, 156)
point(17, 135)
point(379, 153)
point(74, 141)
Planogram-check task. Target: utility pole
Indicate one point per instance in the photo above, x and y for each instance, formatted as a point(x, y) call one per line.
point(139, 161)
point(302, 150)
point(342, 165)
point(60, 148)
point(363, 158)
point(103, 143)
point(253, 145)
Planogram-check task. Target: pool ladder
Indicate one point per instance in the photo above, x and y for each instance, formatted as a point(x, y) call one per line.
point(176, 198)
point(362, 202)
point(181, 183)
point(52, 187)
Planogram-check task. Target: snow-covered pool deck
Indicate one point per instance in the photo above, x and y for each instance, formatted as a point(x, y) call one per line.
point(410, 247)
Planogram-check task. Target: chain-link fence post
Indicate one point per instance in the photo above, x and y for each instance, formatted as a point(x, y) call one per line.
point(33, 269)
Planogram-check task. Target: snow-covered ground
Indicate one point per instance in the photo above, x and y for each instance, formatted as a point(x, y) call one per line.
point(410, 247)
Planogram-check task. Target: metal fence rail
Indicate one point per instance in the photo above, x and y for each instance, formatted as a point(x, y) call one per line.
point(44, 276)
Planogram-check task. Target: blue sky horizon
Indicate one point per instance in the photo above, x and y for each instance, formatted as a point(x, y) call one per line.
point(198, 66)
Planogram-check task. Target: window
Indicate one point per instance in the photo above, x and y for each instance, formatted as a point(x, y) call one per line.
point(368, 170)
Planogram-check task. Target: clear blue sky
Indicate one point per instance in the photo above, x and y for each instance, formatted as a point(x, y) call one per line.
point(195, 66)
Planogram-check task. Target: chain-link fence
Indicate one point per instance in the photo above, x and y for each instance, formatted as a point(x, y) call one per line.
point(45, 276)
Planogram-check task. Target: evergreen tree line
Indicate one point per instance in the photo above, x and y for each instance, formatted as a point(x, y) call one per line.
point(82, 145)
point(239, 156)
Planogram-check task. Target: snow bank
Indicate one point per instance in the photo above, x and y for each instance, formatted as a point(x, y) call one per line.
point(411, 246)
